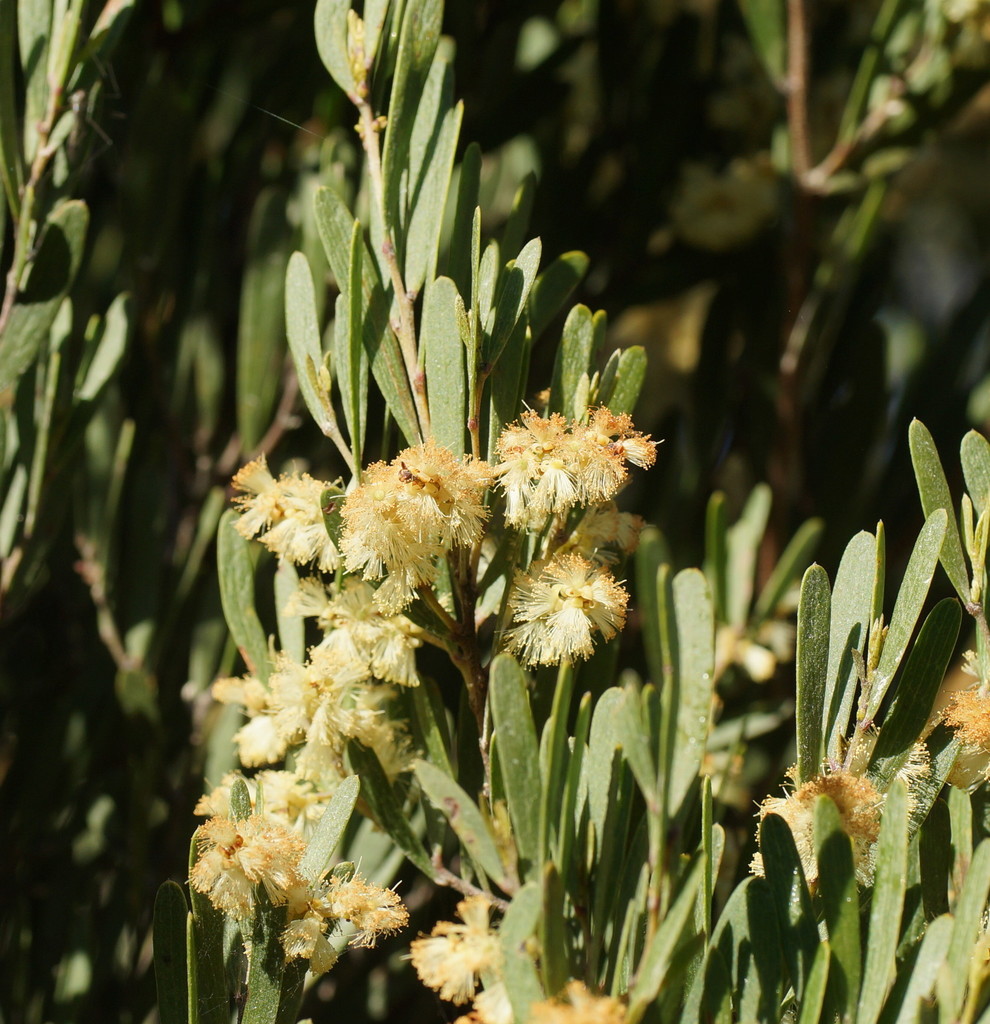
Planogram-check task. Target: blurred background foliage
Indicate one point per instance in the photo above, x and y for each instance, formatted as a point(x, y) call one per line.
point(792, 335)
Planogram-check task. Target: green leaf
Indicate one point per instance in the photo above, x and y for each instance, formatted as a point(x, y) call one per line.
point(508, 382)
point(431, 161)
point(657, 956)
point(889, 887)
point(108, 348)
point(350, 356)
point(418, 38)
point(791, 900)
point(578, 346)
point(696, 682)
point(267, 970)
point(603, 741)
point(34, 30)
point(464, 818)
point(240, 800)
point(11, 156)
point(260, 349)
point(917, 689)
point(716, 553)
point(922, 974)
point(381, 798)
point(943, 748)
point(555, 757)
point(459, 258)
point(430, 721)
point(792, 562)
point(330, 25)
point(766, 22)
point(871, 66)
point(650, 555)
point(975, 456)
point(302, 329)
point(968, 912)
point(575, 786)
point(840, 905)
point(446, 378)
point(207, 937)
point(628, 380)
point(513, 290)
point(910, 600)
point(328, 833)
point(934, 491)
point(336, 226)
point(852, 600)
point(237, 596)
point(517, 223)
point(519, 755)
point(811, 664)
point(813, 999)
point(48, 281)
point(553, 288)
point(636, 740)
point(519, 924)
point(743, 541)
point(553, 932)
point(171, 915)
point(291, 628)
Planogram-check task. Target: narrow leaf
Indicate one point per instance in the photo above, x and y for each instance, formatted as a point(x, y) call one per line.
point(237, 596)
point(840, 904)
point(446, 376)
point(328, 833)
point(889, 887)
point(910, 600)
point(852, 599)
point(519, 753)
point(934, 491)
point(464, 818)
point(171, 915)
point(975, 455)
point(814, 616)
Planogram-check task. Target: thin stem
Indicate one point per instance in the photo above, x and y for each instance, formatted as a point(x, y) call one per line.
point(91, 571)
point(444, 876)
point(25, 245)
point(368, 129)
point(797, 86)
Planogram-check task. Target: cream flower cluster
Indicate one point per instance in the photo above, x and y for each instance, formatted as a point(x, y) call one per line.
point(316, 707)
point(408, 513)
point(859, 805)
point(559, 606)
point(454, 959)
point(285, 515)
point(550, 465)
point(356, 630)
point(236, 857)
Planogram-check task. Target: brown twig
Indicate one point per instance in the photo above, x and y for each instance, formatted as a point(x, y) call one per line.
point(91, 571)
point(369, 128)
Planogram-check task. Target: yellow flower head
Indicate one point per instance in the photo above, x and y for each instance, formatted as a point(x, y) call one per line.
point(409, 512)
point(578, 1006)
point(285, 515)
point(859, 805)
point(356, 629)
point(236, 856)
point(453, 956)
point(968, 713)
point(560, 609)
point(315, 910)
point(549, 465)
